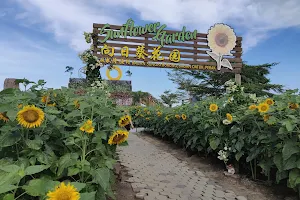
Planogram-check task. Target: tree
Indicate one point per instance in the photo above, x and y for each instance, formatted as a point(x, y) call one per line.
point(70, 70)
point(208, 83)
point(138, 96)
point(170, 98)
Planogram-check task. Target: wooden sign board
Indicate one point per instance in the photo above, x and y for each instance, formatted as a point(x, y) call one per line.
point(153, 46)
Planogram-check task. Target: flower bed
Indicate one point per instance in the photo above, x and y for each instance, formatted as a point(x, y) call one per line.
point(58, 144)
point(260, 135)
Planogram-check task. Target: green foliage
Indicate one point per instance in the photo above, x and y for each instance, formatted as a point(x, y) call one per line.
point(252, 139)
point(33, 161)
point(206, 83)
point(170, 98)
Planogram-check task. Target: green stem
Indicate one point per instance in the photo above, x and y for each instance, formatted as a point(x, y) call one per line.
point(20, 195)
point(252, 170)
point(255, 168)
point(83, 157)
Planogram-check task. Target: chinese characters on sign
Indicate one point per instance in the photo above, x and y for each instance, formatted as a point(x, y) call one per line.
point(141, 53)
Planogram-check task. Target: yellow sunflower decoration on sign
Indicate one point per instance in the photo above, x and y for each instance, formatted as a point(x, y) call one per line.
point(221, 40)
point(119, 73)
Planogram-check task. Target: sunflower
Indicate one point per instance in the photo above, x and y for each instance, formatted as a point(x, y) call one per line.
point(167, 118)
point(125, 120)
point(263, 107)
point(252, 107)
point(229, 117)
point(148, 113)
point(51, 104)
point(45, 99)
point(30, 116)
point(88, 127)
point(183, 116)
point(266, 117)
point(118, 137)
point(3, 117)
point(293, 106)
point(64, 192)
point(269, 101)
point(76, 104)
point(177, 116)
point(147, 118)
point(213, 107)
point(20, 106)
point(158, 113)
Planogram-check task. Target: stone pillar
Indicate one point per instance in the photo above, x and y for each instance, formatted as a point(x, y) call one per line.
point(10, 83)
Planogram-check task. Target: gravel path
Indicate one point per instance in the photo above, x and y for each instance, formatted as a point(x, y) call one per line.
point(158, 175)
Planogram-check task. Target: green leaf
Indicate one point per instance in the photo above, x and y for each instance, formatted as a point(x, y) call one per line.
point(289, 148)
point(195, 119)
point(9, 138)
point(110, 163)
point(59, 122)
point(39, 187)
point(10, 168)
point(12, 114)
point(73, 114)
point(67, 160)
point(88, 196)
point(51, 110)
point(101, 176)
point(35, 169)
point(125, 143)
point(78, 186)
point(9, 197)
point(289, 126)
point(290, 163)
point(50, 117)
point(294, 178)
point(278, 161)
point(73, 171)
point(281, 175)
point(7, 188)
point(239, 155)
point(214, 142)
point(34, 144)
point(8, 91)
point(239, 145)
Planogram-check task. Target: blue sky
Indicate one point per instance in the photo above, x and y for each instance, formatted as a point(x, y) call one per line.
point(39, 38)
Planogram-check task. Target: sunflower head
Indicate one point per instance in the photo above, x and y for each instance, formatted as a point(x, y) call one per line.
point(147, 118)
point(125, 120)
point(266, 117)
point(51, 104)
point(45, 99)
point(148, 113)
point(269, 101)
point(252, 107)
point(263, 107)
point(3, 117)
point(293, 106)
point(118, 137)
point(229, 117)
point(88, 127)
point(76, 104)
point(177, 116)
point(30, 116)
point(167, 118)
point(158, 113)
point(183, 116)
point(64, 192)
point(213, 107)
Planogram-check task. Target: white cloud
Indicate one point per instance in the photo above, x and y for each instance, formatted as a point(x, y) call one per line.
point(254, 19)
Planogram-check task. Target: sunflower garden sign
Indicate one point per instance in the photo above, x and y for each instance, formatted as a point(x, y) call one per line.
point(152, 45)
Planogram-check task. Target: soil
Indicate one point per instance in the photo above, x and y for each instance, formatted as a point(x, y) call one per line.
point(123, 189)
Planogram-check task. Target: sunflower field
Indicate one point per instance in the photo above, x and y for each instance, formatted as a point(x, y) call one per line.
point(58, 144)
point(259, 135)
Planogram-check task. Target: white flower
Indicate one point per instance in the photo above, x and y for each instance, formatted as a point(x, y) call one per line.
point(233, 88)
point(225, 148)
point(229, 83)
point(226, 122)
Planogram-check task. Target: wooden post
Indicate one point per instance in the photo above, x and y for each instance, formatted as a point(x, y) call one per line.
point(238, 79)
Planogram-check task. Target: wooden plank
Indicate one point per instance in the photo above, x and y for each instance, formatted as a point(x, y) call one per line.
point(116, 27)
point(183, 50)
point(186, 62)
point(194, 57)
point(180, 44)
